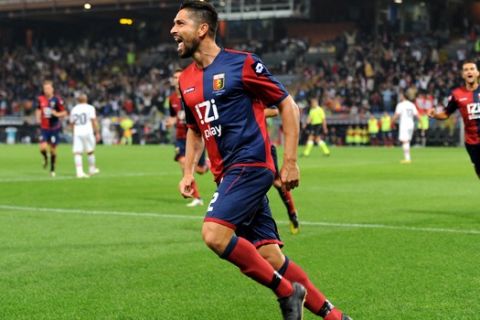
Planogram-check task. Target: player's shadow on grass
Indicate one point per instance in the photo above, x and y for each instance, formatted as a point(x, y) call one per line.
point(470, 215)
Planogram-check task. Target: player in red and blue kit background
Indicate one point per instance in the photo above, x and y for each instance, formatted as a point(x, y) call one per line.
point(177, 118)
point(466, 99)
point(50, 110)
point(224, 93)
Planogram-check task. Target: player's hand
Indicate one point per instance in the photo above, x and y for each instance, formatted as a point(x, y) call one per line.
point(97, 137)
point(186, 186)
point(290, 175)
point(431, 113)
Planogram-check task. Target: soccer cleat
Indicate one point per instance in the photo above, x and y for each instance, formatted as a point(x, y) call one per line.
point(52, 174)
point(195, 203)
point(405, 161)
point(294, 225)
point(345, 317)
point(82, 175)
point(94, 171)
point(292, 306)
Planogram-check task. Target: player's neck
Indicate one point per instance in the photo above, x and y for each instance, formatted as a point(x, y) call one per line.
point(206, 53)
point(471, 86)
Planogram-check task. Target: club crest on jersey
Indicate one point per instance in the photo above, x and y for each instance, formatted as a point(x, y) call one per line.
point(218, 81)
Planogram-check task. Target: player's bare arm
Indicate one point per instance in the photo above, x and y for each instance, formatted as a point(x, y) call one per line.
point(96, 129)
point(438, 116)
point(290, 173)
point(271, 112)
point(193, 151)
point(38, 116)
point(59, 114)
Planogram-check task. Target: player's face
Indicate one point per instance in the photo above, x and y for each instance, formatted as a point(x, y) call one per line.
point(470, 73)
point(48, 89)
point(185, 33)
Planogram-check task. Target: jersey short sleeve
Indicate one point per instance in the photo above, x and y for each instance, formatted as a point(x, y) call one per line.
point(452, 105)
point(260, 83)
point(189, 117)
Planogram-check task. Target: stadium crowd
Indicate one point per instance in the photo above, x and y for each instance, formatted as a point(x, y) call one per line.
point(358, 76)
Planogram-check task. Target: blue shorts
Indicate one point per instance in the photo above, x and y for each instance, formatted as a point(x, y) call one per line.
point(180, 147)
point(50, 136)
point(241, 204)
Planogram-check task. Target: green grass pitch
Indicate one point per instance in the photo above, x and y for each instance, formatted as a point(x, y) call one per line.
point(382, 240)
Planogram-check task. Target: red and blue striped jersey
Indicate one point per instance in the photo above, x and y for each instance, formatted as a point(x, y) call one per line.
point(175, 108)
point(46, 105)
point(468, 103)
point(225, 102)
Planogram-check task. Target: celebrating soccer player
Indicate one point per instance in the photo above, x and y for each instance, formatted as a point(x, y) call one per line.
point(49, 111)
point(224, 93)
point(467, 100)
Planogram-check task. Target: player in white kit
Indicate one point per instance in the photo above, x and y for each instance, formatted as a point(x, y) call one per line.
point(85, 135)
point(405, 111)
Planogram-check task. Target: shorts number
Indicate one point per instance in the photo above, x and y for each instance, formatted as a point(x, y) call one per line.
point(214, 198)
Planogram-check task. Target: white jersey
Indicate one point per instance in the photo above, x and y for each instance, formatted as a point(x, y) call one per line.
point(407, 112)
point(81, 117)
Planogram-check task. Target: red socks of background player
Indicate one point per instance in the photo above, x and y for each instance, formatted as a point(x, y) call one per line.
point(316, 301)
point(245, 256)
point(196, 194)
point(287, 200)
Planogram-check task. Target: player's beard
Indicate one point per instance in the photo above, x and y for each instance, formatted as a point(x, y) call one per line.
point(189, 50)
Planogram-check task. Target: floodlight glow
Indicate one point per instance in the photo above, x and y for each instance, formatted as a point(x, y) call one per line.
point(126, 21)
point(87, 6)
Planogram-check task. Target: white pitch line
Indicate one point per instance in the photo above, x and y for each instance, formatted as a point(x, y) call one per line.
point(187, 217)
point(34, 179)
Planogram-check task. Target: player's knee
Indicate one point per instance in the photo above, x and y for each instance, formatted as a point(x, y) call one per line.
point(273, 255)
point(214, 240)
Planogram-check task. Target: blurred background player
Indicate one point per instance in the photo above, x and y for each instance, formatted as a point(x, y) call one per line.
point(85, 135)
point(405, 111)
point(127, 131)
point(316, 123)
point(424, 102)
point(177, 118)
point(50, 110)
point(386, 129)
point(466, 99)
point(373, 130)
point(285, 195)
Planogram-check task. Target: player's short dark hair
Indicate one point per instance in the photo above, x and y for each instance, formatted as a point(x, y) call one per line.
point(48, 81)
point(204, 12)
point(466, 61)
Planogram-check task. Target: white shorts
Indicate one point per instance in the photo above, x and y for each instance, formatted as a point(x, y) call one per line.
point(84, 143)
point(405, 134)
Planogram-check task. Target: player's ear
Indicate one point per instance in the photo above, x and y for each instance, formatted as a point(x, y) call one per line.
point(203, 30)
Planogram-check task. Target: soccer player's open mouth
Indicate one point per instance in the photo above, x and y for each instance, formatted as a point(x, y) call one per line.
point(180, 43)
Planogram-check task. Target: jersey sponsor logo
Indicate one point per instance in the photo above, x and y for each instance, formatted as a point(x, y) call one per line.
point(212, 132)
point(218, 81)
point(259, 68)
point(207, 112)
point(473, 110)
point(189, 90)
point(462, 99)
